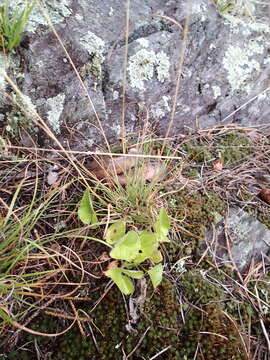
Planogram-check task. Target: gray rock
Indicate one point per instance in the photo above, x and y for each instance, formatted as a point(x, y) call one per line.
point(239, 239)
point(226, 64)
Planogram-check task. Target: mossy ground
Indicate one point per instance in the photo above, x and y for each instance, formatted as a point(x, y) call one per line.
point(198, 309)
point(210, 325)
point(160, 317)
point(232, 147)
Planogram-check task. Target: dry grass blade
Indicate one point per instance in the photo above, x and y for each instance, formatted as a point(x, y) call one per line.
point(180, 65)
point(30, 331)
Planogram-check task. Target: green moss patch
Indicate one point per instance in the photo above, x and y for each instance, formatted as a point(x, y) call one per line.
point(195, 211)
point(211, 334)
point(232, 147)
point(156, 329)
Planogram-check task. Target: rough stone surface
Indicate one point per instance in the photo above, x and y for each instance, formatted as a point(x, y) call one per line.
point(226, 64)
point(239, 239)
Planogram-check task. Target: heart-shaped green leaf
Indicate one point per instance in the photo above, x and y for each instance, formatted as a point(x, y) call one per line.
point(156, 274)
point(115, 232)
point(86, 211)
point(162, 226)
point(156, 257)
point(127, 248)
point(123, 282)
point(134, 274)
point(149, 245)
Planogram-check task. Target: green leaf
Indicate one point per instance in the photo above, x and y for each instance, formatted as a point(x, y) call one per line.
point(156, 257)
point(124, 284)
point(162, 226)
point(5, 316)
point(86, 211)
point(127, 248)
point(134, 274)
point(156, 274)
point(115, 232)
point(149, 245)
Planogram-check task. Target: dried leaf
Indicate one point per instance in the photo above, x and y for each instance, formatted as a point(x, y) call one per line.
point(154, 171)
point(106, 167)
point(264, 194)
point(52, 177)
point(113, 264)
point(218, 164)
point(104, 257)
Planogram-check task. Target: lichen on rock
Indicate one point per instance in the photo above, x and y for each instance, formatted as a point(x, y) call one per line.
point(216, 91)
point(3, 68)
point(144, 64)
point(162, 107)
point(143, 42)
point(240, 65)
point(56, 105)
point(246, 46)
point(247, 237)
point(56, 10)
point(96, 48)
point(28, 106)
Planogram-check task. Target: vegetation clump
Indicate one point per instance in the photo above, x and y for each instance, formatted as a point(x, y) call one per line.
point(12, 24)
point(195, 211)
point(211, 334)
point(197, 151)
point(198, 290)
point(232, 148)
point(131, 221)
point(109, 337)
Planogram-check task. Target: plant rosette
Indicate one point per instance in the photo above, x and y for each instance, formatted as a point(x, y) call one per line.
point(133, 248)
point(130, 248)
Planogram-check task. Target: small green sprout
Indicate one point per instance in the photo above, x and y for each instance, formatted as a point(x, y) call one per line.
point(12, 24)
point(86, 211)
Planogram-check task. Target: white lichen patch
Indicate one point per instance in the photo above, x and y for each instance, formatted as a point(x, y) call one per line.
point(256, 106)
point(199, 8)
point(144, 64)
point(94, 45)
point(162, 66)
point(79, 17)
point(55, 10)
point(166, 102)
point(143, 42)
point(28, 106)
point(247, 42)
point(161, 108)
point(185, 108)
point(111, 12)
point(245, 26)
point(216, 91)
point(3, 68)
point(96, 48)
point(56, 105)
point(180, 266)
point(115, 95)
point(240, 65)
